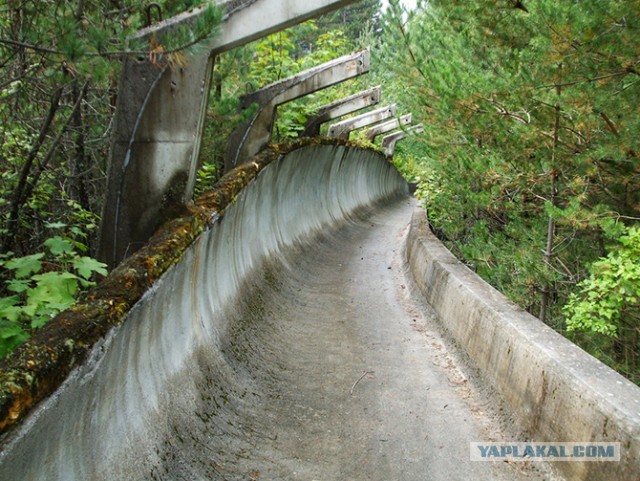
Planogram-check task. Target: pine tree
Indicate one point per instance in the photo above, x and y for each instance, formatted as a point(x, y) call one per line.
point(59, 67)
point(59, 64)
point(531, 115)
point(354, 20)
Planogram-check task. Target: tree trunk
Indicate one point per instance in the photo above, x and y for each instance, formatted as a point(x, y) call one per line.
point(21, 188)
point(551, 225)
point(78, 162)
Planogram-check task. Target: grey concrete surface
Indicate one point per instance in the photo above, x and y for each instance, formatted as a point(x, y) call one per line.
point(154, 151)
point(246, 20)
point(558, 391)
point(353, 382)
point(344, 128)
point(157, 374)
point(389, 141)
point(338, 108)
point(285, 346)
point(388, 126)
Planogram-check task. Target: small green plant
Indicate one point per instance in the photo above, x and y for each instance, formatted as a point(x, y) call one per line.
point(206, 177)
point(611, 294)
point(39, 286)
point(608, 301)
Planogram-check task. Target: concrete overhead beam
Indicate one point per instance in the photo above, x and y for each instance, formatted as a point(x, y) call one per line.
point(416, 129)
point(160, 115)
point(341, 107)
point(253, 136)
point(385, 127)
point(389, 141)
point(247, 20)
point(344, 128)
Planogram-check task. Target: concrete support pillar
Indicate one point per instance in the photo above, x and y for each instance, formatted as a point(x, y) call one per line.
point(153, 152)
point(159, 118)
point(341, 107)
point(344, 128)
point(251, 137)
point(389, 141)
point(388, 126)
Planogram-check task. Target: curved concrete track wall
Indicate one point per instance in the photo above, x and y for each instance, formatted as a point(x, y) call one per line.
point(558, 391)
point(113, 414)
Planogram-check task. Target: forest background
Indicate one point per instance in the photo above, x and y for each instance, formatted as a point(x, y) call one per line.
point(528, 166)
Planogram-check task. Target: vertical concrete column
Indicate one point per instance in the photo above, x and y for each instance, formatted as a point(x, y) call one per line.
point(341, 107)
point(385, 127)
point(389, 141)
point(344, 128)
point(154, 153)
point(159, 118)
point(251, 137)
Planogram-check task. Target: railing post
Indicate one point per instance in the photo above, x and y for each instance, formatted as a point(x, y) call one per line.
point(342, 129)
point(341, 107)
point(251, 137)
point(159, 118)
point(389, 141)
point(385, 127)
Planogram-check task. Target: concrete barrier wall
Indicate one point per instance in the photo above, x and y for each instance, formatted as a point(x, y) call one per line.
point(112, 416)
point(558, 391)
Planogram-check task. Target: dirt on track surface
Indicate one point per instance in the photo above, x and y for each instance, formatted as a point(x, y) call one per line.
point(335, 373)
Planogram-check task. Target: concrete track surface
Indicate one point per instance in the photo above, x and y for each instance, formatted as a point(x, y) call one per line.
point(349, 378)
point(288, 344)
point(333, 372)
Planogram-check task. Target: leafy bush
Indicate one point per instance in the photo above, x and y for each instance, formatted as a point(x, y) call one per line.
point(531, 150)
point(39, 286)
point(608, 301)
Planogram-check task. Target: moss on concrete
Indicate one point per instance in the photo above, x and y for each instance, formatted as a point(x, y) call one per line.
point(39, 366)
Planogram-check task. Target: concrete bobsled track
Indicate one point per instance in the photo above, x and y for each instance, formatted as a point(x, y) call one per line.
point(288, 343)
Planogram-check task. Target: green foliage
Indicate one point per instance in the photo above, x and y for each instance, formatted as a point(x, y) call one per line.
point(59, 73)
point(246, 69)
point(207, 176)
point(354, 20)
point(60, 62)
point(607, 303)
point(41, 285)
point(25, 266)
point(530, 143)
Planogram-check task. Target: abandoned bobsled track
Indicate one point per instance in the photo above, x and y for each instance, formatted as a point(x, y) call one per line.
point(290, 342)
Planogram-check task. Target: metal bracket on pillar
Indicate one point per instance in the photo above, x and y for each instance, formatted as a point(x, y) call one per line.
point(342, 129)
point(385, 127)
point(389, 141)
point(337, 109)
point(253, 136)
point(160, 115)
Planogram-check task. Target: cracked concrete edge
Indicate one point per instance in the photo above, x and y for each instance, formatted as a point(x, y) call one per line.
point(557, 391)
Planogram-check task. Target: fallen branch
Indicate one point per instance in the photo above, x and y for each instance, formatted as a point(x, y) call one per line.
point(364, 373)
